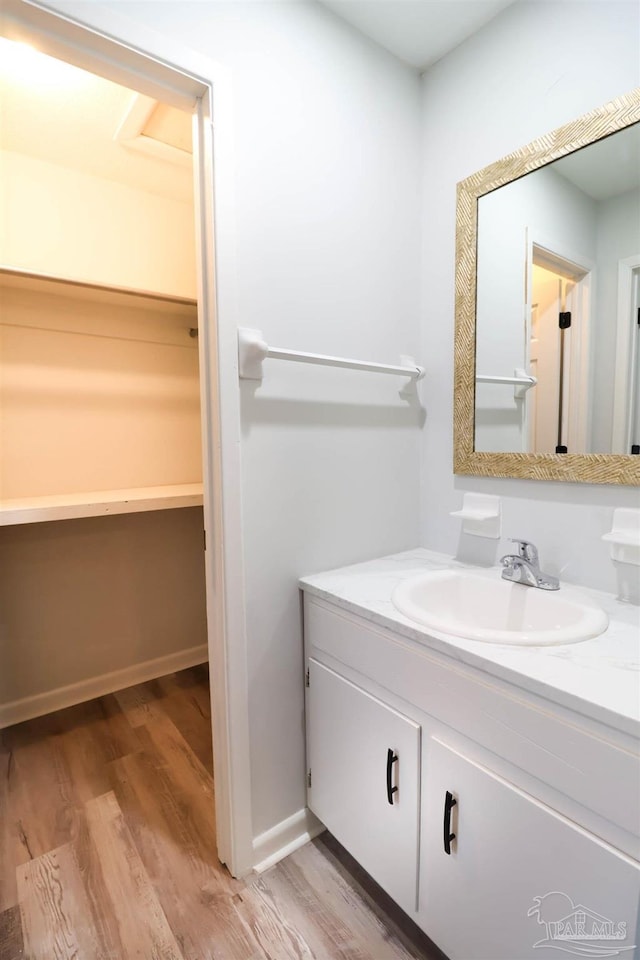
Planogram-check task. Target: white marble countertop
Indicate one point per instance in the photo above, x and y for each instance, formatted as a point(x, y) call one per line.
point(600, 678)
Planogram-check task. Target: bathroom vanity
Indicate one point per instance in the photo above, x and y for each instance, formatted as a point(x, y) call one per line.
point(493, 791)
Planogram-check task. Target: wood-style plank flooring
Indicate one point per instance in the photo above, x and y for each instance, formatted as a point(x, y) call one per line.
point(107, 849)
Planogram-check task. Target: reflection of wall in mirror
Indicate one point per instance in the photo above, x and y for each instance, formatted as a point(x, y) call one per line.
point(548, 205)
point(618, 238)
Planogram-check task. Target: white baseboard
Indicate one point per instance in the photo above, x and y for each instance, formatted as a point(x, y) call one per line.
point(40, 703)
point(284, 838)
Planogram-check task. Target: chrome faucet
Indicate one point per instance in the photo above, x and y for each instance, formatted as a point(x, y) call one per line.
point(524, 568)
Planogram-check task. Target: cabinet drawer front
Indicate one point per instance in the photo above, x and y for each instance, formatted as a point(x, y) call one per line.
point(354, 776)
point(519, 876)
point(548, 742)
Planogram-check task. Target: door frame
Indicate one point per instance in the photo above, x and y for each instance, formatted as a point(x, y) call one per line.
point(576, 415)
point(105, 43)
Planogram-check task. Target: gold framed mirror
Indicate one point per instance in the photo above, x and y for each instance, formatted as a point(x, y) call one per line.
point(547, 333)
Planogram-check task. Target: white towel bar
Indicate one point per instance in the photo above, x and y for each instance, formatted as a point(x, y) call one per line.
point(531, 381)
point(252, 351)
point(522, 381)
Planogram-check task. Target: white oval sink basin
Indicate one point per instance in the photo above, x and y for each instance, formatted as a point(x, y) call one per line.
point(497, 611)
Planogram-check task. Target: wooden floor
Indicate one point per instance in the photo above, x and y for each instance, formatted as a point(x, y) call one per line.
point(107, 849)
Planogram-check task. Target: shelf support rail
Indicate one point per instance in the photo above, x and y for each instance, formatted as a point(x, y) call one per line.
point(252, 351)
point(522, 381)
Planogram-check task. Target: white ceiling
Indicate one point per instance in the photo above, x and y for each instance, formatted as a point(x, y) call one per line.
point(55, 112)
point(419, 32)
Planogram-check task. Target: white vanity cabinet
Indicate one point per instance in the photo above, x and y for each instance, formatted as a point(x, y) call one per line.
point(517, 873)
point(364, 765)
point(529, 816)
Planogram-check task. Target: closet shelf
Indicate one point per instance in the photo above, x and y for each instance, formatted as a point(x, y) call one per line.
point(16, 276)
point(100, 503)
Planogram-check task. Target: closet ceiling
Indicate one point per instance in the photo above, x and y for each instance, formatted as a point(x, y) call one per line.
point(417, 31)
point(60, 114)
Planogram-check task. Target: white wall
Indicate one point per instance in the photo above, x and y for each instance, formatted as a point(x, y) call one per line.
point(327, 150)
point(534, 67)
point(327, 186)
point(55, 219)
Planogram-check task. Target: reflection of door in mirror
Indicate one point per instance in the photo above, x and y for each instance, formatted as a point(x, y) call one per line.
point(557, 333)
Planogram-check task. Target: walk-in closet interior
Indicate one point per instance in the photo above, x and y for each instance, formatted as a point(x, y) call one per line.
point(101, 546)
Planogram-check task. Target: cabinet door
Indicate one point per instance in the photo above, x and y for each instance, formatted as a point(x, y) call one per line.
point(521, 881)
point(364, 759)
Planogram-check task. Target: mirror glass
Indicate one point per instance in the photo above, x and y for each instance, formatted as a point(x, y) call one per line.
point(557, 359)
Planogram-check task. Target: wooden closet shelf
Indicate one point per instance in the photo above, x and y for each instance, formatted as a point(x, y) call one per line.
point(100, 503)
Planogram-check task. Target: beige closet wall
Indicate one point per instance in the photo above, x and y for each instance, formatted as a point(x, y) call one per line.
point(60, 221)
point(83, 599)
point(99, 390)
point(93, 604)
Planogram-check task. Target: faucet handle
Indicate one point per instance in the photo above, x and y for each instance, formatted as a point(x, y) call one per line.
point(526, 550)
